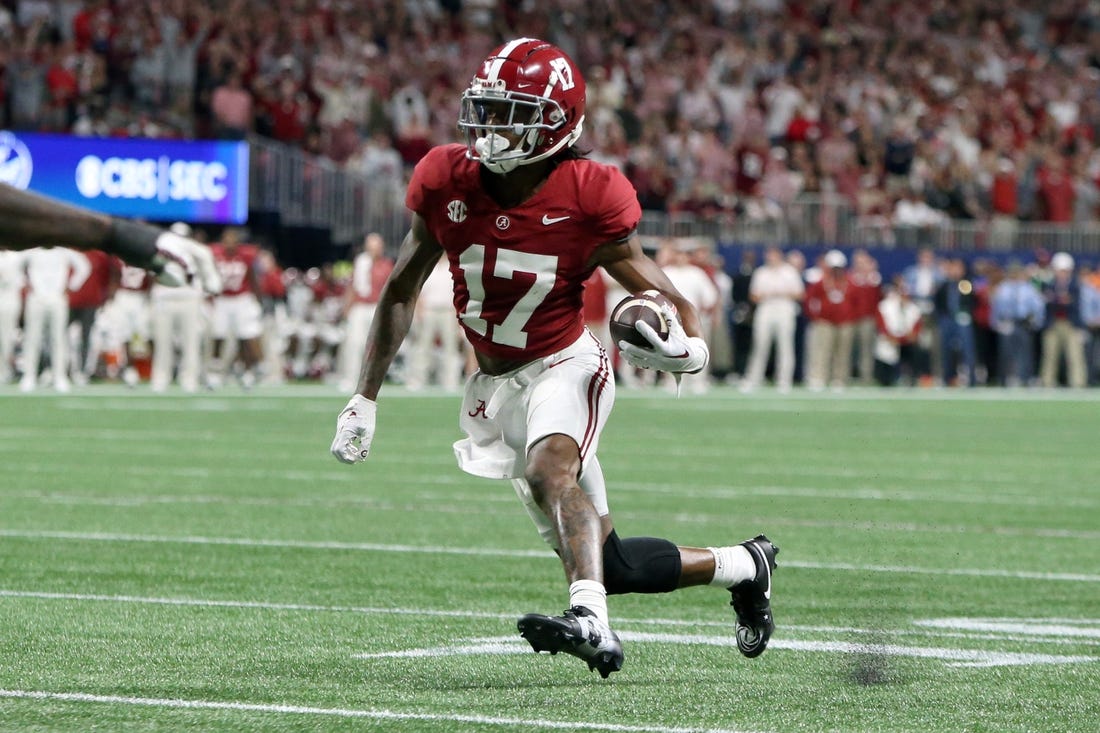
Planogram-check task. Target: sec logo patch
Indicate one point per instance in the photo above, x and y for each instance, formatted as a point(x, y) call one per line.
point(456, 211)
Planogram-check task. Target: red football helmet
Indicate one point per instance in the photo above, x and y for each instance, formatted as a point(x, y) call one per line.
point(525, 103)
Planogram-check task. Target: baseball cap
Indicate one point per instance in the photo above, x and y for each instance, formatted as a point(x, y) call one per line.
point(835, 258)
point(1061, 261)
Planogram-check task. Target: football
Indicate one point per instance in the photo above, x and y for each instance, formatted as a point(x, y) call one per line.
point(645, 306)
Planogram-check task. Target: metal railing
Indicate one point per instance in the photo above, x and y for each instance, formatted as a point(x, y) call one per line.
point(305, 190)
point(310, 191)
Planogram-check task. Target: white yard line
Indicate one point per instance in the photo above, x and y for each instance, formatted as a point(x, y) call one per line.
point(691, 490)
point(511, 553)
point(372, 713)
point(966, 572)
point(503, 645)
point(209, 450)
point(225, 473)
point(1065, 629)
point(448, 475)
point(330, 398)
point(294, 544)
point(1076, 632)
point(260, 605)
point(450, 502)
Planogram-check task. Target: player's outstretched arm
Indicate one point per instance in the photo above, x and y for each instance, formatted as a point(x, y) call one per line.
point(392, 319)
point(29, 220)
point(684, 350)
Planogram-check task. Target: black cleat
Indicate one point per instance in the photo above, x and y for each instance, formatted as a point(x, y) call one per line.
point(577, 632)
point(752, 599)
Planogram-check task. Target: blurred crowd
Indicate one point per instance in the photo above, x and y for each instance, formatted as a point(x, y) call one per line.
point(913, 111)
point(939, 322)
point(68, 317)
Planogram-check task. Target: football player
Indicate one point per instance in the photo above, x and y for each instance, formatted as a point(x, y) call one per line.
point(370, 268)
point(523, 219)
point(237, 312)
point(130, 320)
point(29, 220)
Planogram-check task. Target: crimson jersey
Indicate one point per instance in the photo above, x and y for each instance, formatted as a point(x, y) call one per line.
point(867, 292)
point(236, 269)
point(93, 293)
point(519, 272)
point(831, 300)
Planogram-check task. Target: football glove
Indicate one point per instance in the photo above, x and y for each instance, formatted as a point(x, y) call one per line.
point(679, 353)
point(178, 259)
point(354, 430)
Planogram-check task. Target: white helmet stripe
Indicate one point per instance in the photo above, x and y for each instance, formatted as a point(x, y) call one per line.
point(494, 68)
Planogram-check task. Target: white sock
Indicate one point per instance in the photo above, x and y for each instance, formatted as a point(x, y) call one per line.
point(591, 595)
point(732, 565)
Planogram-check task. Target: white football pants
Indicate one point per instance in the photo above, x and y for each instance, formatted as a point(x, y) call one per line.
point(773, 322)
point(9, 330)
point(177, 319)
point(42, 311)
point(436, 323)
point(356, 330)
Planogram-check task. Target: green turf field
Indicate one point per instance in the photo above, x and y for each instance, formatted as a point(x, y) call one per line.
point(171, 563)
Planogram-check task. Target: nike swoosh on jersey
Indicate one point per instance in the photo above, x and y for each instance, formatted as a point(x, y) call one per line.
point(547, 221)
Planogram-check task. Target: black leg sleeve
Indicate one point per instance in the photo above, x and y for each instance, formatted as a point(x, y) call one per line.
point(640, 565)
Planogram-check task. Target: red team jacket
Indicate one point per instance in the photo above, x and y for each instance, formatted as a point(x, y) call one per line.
point(831, 301)
point(98, 287)
point(867, 292)
point(519, 273)
point(236, 269)
point(380, 270)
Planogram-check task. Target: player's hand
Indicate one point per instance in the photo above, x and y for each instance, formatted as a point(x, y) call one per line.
point(179, 259)
point(354, 430)
point(678, 353)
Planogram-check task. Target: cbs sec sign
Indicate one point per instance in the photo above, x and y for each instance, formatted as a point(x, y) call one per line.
point(161, 180)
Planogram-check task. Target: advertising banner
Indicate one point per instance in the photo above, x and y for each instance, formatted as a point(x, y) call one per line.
point(200, 181)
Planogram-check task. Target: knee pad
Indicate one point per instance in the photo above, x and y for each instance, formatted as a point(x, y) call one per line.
point(640, 565)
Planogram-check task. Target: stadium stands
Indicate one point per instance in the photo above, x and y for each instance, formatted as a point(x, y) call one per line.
point(988, 111)
point(968, 127)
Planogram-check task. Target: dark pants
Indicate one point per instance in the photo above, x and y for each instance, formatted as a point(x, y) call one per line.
point(985, 340)
point(86, 318)
point(742, 346)
point(1092, 358)
point(1016, 354)
point(888, 375)
point(957, 340)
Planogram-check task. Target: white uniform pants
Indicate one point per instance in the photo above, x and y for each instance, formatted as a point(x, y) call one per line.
point(436, 323)
point(177, 320)
point(356, 330)
point(9, 331)
point(569, 393)
point(773, 322)
point(42, 311)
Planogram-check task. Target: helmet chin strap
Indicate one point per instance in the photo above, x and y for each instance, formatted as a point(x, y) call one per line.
point(489, 147)
point(492, 145)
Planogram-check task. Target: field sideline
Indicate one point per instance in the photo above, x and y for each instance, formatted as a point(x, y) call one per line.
point(175, 562)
